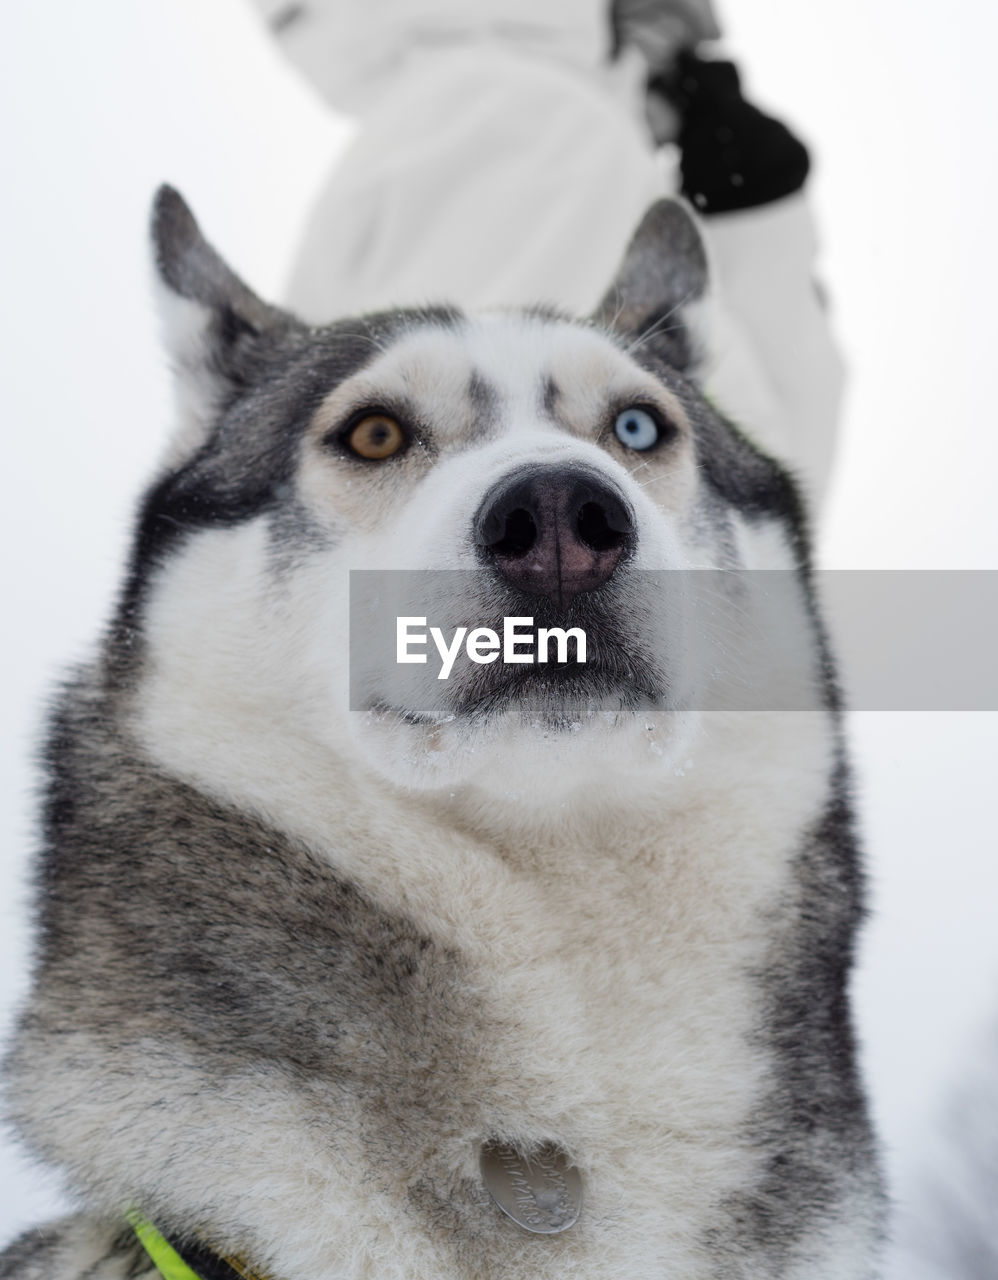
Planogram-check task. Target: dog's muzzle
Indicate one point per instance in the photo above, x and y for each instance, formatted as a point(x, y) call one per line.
point(555, 532)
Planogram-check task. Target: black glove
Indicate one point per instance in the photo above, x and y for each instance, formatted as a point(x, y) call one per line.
point(733, 156)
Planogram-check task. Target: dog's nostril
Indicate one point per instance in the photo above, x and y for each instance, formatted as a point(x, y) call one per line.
point(594, 528)
point(554, 531)
point(519, 534)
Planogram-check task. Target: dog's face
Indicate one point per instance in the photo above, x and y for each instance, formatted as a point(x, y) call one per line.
point(510, 465)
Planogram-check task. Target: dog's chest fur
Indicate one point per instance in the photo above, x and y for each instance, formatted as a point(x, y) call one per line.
point(371, 993)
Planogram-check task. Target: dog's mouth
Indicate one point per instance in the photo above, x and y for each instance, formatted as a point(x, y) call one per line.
point(432, 650)
point(562, 694)
point(613, 677)
point(556, 700)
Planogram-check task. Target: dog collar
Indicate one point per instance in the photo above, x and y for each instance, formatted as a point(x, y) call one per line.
point(185, 1261)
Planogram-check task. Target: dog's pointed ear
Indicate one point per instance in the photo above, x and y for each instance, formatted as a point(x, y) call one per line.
point(208, 317)
point(663, 276)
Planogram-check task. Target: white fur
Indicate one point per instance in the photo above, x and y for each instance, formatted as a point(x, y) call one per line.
point(196, 388)
point(607, 887)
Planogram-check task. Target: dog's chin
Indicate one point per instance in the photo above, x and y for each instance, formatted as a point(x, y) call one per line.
point(536, 742)
point(559, 698)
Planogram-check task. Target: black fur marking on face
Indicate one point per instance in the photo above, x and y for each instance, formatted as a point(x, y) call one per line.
point(276, 381)
point(484, 399)
point(736, 469)
point(549, 314)
point(739, 475)
point(293, 534)
point(550, 393)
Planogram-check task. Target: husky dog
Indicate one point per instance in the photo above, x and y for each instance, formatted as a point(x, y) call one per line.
point(534, 971)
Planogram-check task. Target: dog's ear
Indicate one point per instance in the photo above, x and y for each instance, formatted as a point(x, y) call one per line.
point(661, 281)
point(209, 318)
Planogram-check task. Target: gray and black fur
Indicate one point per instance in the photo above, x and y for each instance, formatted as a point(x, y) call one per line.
point(204, 975)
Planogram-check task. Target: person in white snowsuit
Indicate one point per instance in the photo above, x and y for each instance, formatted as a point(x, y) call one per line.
point(507, 149)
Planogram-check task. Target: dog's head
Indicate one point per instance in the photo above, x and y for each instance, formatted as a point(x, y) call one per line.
point(477, 468)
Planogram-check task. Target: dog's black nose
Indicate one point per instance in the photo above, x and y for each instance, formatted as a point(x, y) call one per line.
point(555, 531)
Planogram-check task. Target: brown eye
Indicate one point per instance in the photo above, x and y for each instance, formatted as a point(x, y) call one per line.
point(376, 437)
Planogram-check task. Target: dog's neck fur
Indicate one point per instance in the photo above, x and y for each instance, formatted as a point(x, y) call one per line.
point(545, 924)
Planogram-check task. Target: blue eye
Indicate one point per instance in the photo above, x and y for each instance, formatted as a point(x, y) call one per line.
point(636, 428)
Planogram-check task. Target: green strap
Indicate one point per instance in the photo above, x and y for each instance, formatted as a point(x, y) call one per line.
point(166, 1259)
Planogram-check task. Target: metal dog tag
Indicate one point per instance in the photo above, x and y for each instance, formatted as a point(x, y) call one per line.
point(542, 1194)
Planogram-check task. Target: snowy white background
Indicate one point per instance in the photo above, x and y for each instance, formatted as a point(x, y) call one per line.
point(102, 100)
